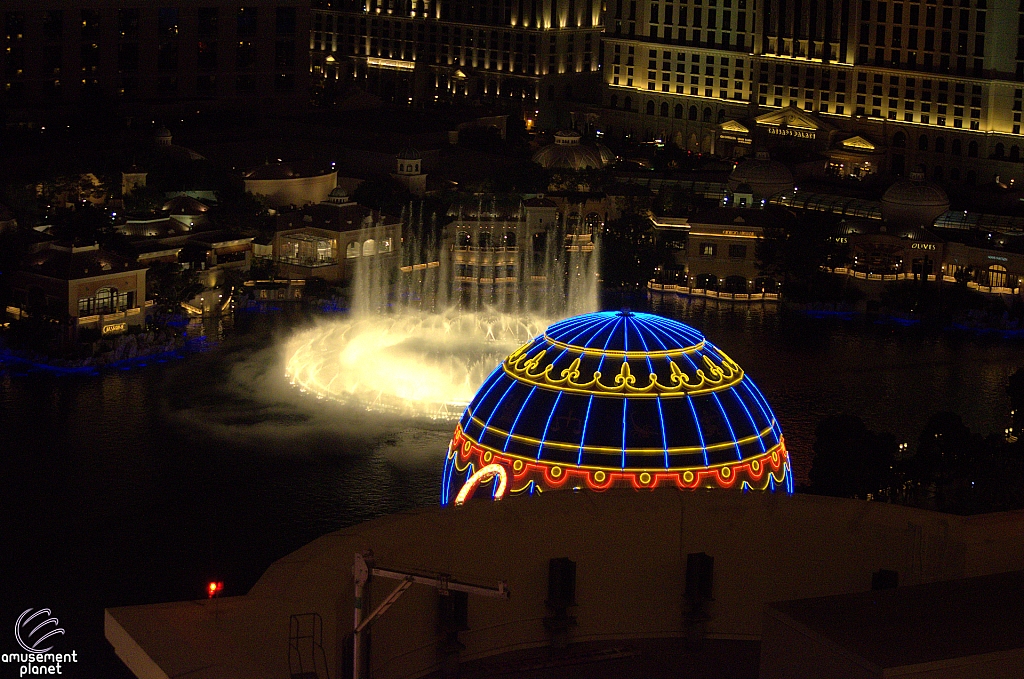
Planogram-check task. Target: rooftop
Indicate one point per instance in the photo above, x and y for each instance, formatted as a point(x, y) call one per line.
point(920, 624)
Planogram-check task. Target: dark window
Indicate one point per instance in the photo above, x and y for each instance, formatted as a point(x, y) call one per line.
point(246, 22)
point(922, 143)
point(53, 24)
point(90, 24)
point(128, 56)
point(284, 82)
point(207, 22)
point(245, 55)
point(738, 251)
point(167, 56)
point(167, 22)
point(284, 55)
point(207, 59)
point(285, 21)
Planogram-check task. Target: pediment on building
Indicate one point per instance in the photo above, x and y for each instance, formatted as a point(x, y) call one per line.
point(860, 143)
point(792, 117)
point(734, 126)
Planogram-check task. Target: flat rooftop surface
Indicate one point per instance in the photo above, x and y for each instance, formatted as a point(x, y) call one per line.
point(923, 623)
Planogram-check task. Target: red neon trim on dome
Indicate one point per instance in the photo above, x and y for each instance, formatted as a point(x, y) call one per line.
point(548, 476)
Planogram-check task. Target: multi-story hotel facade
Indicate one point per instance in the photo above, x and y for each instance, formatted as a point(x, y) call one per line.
point(882, 86)
point(174, 55)
point(523, 53)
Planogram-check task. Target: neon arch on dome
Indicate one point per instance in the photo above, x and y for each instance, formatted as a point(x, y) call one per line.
point(617, 399)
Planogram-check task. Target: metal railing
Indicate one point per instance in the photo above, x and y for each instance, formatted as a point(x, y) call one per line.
point(714, 294)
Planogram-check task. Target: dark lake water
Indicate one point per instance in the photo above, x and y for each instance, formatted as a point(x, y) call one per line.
point(141, 486)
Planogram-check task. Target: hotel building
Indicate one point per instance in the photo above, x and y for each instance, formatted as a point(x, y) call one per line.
point(141, 56)
point(521, 52)
point(935, 83)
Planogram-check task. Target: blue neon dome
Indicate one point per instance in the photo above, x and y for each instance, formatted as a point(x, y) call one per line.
point(621, 397)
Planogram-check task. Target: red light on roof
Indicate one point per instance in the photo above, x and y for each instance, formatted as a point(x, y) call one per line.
point(214, 588)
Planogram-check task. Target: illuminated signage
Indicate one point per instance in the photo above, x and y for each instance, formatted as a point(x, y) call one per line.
point(998, 258)
point(790, 132)
point(922, 246)
point(114, 328)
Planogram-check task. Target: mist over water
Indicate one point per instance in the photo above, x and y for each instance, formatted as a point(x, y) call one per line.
point(422, 337)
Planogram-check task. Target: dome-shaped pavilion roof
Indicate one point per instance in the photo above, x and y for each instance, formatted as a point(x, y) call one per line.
point(914, 200)
point(618, 399)
point(765, 177)
point(608, 156)
point(409, 153)
point(569, 152)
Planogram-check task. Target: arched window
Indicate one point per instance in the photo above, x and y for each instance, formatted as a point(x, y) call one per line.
point(510, 239)
point(999, 150)
point(937, 173)
point(664, 109)
point(940, 145)
point(954, 174)
point(614, 101)
point(954, 148)
point(462, 239)
point(484, 239)
point(401, 167)
point(352, 250)
point(1014, 152)
point(627, 103)
point(922, 143)
point(972, 149)
point(721, 115)
point(650, 108)
point(692, 113)
point(707, 115)
point(369, 247)
point(106, 300)
point(972, 177)
point(679, 111)
point(899, 140)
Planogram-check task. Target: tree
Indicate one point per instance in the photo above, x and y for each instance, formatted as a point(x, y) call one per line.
point(382, 193)
point(852, 461)
point(630, 252)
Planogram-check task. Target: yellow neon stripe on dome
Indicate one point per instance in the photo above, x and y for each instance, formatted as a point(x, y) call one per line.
point(610, 449)
point(590, 351)
point(710, 378)
point(653, 470)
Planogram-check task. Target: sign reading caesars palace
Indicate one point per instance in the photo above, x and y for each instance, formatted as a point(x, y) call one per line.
point(790, 132)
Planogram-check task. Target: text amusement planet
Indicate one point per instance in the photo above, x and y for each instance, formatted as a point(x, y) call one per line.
point(35, 631)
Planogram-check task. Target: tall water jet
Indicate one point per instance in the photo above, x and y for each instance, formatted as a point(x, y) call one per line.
point(425, 328)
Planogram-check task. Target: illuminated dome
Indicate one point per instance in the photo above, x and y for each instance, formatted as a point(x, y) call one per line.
point(764, 176)
point(569, 153)
point(914, 201)
point(616, 399)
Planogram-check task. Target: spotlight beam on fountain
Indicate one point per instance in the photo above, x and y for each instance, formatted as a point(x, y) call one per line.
point(422, 336)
